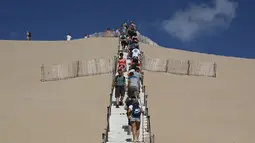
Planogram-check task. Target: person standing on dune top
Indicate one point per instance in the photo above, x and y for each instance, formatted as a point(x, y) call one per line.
point(68, 37)
point(29, 35)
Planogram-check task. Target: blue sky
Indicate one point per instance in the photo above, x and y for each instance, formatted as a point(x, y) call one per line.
point(219, 27)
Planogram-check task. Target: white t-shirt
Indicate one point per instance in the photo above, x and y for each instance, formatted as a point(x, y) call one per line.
point(136, 53)
point(68, 37)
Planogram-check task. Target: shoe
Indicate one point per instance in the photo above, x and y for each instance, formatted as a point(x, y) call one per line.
point(117, 106)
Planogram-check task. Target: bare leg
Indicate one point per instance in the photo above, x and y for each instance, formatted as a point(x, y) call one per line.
point(134, 131)
point(117, 102)
point(121, 99)
point(137, 130)
point(117, 95)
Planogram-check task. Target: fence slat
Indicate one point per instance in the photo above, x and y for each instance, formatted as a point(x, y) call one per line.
point(177, 67)
point(156, 65)
point(60, 71)
point(202, 68)
point(76, 69)
point(104, 66)
point(181, 67)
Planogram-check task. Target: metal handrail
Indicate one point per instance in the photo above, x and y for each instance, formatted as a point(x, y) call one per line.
point(114, 70)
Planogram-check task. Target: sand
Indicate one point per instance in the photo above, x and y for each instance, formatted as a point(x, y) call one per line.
point(64, 111)
point(182, 108)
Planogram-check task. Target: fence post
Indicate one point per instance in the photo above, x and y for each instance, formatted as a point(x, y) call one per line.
point(109, 110)
point(108, 117)
point(103, 137)
point(110, 99)
point(167, 65)
point(146, 101)
point(96, 72)
point(147, 111)
point(214, 69)
point(42, 73)
point(188, 71)
point(78, 68)
point(106, 135)
point(148, 125)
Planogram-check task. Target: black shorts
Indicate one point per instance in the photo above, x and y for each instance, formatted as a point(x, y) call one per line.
point(119, 91)
point(124, 43)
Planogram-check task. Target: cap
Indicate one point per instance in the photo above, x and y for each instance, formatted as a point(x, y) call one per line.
point(132, 70)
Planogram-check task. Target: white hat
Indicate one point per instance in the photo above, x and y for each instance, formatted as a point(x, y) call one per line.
point(132, 70)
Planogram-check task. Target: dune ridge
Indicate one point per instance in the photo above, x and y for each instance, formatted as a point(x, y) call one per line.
point(182, 108)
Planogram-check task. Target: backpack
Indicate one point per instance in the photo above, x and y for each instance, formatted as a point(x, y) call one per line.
point(118, 80)
point(136, 112)
point(135, 50)
point(123, 37)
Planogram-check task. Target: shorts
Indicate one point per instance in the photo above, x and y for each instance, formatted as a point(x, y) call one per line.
point(123, 68)
point(133, 91)
point(124, 43)
point(132, 119)
point(119, 91)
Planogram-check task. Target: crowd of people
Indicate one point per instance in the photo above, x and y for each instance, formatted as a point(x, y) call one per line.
point(129, 43)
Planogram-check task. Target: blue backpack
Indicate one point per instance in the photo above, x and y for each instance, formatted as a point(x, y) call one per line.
point(136, 112)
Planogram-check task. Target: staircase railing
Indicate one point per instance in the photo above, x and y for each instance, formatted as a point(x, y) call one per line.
point(107, 129)
point(151, 136)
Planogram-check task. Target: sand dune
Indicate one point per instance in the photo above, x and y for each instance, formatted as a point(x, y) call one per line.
point(202, 109)
point(64, 111)
point(182, 108)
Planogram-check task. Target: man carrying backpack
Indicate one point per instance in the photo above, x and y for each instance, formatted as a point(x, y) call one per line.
point(120, 84)
point(135, 111)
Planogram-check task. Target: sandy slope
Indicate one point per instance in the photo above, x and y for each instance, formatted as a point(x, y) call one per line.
point(201, 109)
point(52, 112)
point(183, 109)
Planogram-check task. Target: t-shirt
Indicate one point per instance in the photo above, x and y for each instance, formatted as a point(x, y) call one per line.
point(133, 81)
point(137, 74)
point(120, 80)
point(135, 53)
point(122, 62)
point(68, 37)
